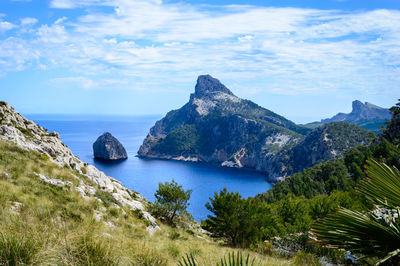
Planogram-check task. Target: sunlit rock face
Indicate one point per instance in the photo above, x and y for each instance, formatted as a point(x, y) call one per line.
point(217, 127)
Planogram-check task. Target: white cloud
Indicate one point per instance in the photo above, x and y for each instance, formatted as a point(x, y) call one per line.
point(287, 50)
point(28, 21)
point(87, 83)
point(5, 26)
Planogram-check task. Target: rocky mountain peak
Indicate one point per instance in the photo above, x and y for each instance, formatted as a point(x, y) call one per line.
point(207, 85)
point(357, 106)
point(361, 111)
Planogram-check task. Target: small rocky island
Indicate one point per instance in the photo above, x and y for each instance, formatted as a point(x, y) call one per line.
point(108, 148)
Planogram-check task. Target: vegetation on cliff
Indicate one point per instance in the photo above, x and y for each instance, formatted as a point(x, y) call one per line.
point(217, 127)
point(285, 213)
point(43, 223)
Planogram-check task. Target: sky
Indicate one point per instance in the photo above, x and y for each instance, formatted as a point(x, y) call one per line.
point(303, 59)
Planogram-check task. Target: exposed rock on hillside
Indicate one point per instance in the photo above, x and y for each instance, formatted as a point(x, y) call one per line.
point(26, 134)
point(361, 111)
point(367, 116)
point(108, 147)
point(217, 127)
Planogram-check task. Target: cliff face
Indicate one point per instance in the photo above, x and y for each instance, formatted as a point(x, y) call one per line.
point(26, 134)
point(217, 127)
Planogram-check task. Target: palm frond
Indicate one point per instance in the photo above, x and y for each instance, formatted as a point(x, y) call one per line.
point(382, 185)
point(373, 234)
point(237, 260)
point(358, 232)
point(189, 260)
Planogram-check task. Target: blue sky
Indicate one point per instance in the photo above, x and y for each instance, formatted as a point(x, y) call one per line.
point(305, 59)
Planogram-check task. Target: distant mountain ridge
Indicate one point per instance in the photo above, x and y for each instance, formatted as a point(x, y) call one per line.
point(365, 115)
point(217, 127)
point(360, 111)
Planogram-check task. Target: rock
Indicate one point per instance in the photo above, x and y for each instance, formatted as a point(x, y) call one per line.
point(26, 134)
point(54, 181)
point(365, 115)
point(219, 128)
point(109, 148)
point(361, 111)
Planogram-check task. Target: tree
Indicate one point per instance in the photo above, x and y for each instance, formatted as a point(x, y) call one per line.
point(392, 131)
point(374, 234)
point(171, 200)
point(239, 221)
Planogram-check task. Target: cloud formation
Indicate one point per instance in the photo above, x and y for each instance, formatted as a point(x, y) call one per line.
point(282, 50)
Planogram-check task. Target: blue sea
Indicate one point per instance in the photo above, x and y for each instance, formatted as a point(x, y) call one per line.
point(79, 132)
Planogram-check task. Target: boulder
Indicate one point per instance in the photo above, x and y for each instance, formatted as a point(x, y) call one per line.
point(108, 147)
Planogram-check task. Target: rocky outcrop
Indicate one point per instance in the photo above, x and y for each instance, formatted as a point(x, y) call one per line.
point(361, 111)
point(217, 127)
point(26, 134)
point(108, 148)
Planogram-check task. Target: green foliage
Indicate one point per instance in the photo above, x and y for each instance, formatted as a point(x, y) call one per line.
point(83, 170)
point(171, 200)
point(106, 198)
point(189, 260)
point(27, 133)
point(89, 251)
point(174, 235)
point(304, 258)
point(237, 260)
point(374, 233)
point(320, 179)
point(183, 139)
point(233, 259)
point(17, 249)
point(235, 219)
point(392, 131)
point(243, 222)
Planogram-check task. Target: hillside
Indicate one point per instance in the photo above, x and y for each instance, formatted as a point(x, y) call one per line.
point(217, 127)
point(57, 210)
point(365, 115)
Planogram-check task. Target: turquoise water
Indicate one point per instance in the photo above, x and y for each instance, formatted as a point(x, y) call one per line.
point(79, 132)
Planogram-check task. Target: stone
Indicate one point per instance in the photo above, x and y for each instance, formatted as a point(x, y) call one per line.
point(219, 128)
point(38, 139)
point(109, 148)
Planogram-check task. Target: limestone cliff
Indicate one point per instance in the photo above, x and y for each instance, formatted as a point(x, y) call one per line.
point(26, 134)
point(217, 127)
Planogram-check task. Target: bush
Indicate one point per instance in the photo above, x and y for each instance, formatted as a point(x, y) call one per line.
point(106, 198)
point(237, 220)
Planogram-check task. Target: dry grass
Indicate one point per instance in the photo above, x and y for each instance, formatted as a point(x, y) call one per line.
point(46, 224)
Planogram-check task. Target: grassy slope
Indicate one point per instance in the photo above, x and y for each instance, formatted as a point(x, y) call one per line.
point(56, 225)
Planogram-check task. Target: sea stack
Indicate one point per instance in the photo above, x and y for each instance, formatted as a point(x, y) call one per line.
point(108, 148)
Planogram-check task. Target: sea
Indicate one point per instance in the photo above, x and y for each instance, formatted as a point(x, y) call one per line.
point(79, 132)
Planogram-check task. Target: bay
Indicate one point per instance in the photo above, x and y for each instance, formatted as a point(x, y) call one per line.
point(79, 132)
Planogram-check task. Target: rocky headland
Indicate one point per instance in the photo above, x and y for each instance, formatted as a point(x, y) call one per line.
point(217, 127)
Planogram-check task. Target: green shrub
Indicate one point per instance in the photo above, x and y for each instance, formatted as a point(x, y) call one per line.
point(303, 258)
point(83, 170)
point(106, 198)
point(174, 235)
